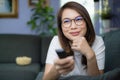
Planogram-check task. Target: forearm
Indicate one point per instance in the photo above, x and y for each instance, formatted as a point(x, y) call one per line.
point(92, 68)
point(51, 75)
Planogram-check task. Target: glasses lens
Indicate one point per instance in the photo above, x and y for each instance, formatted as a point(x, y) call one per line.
point(66, 22)
point(78, 20)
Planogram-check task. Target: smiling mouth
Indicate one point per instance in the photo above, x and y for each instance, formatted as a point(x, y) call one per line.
point(74, 33)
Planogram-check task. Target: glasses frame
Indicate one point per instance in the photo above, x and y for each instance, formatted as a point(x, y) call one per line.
point(81, 21)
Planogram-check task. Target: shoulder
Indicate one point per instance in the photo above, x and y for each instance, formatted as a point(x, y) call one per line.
point(55, 42)
point(98, 42)
point(98, 39)
point(55, 39)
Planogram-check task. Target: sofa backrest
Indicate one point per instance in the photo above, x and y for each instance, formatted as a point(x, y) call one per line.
point(112, 51)
point(45, 42)
point(14, 45)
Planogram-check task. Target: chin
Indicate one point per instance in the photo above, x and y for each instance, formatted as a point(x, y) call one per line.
point(72, 37)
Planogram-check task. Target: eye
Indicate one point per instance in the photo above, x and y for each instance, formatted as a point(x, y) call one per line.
point(66, 20)
point(78, 18)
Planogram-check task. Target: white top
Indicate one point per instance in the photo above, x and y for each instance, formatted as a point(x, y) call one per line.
point(98, 47)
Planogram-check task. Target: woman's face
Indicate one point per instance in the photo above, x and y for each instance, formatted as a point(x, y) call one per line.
point(73, 24)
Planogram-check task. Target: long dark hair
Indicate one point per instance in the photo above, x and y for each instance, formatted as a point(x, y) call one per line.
point(90, 34)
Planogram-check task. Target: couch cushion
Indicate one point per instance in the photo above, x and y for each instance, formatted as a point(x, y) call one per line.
point(45, 42)
point(13, 71)
point(112, 51)
point(14, 45)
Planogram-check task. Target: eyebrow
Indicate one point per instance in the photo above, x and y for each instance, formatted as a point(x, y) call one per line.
point(72, 18)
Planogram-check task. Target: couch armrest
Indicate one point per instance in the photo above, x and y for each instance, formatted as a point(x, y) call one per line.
point(39, 76)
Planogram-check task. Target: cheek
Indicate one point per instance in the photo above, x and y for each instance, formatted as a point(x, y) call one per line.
point(65, 31)
point(84, 26)
point(84, 29)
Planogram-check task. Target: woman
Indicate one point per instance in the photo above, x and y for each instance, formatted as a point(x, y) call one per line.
point(77, 37)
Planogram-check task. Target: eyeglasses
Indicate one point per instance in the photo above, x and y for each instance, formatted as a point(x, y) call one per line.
point(67, 22)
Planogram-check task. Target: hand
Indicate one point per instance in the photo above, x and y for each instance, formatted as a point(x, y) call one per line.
point(65, 65)
point(80, 44)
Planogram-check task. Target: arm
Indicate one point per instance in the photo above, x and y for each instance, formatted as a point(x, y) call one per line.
point(50, 73)
point(80, 44)
point(60, 66)
point(92, 68)
point(55, 66)
point(99, 50)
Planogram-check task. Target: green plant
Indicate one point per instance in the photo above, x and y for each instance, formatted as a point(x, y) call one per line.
point(43, 20)
point(105, 13)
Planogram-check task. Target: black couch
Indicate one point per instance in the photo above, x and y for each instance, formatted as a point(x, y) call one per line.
point(15, 45)
point(112, 51)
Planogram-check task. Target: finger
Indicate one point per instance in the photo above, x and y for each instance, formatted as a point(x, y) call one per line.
point(65, 71)
point(65, 68)
point(68, 65)
point(78, 42)
point(57, 67)
point(63, 61)
point(74, 45)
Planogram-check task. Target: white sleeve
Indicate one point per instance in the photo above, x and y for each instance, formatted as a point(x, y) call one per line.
point(51, 54)
point(99, 49)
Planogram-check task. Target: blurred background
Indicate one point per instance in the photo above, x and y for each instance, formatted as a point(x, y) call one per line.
point(17, 24)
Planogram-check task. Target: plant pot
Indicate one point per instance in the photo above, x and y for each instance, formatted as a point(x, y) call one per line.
point(96, 0)
point(106, 25)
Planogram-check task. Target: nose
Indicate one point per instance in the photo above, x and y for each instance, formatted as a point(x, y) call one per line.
point(73, 25)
